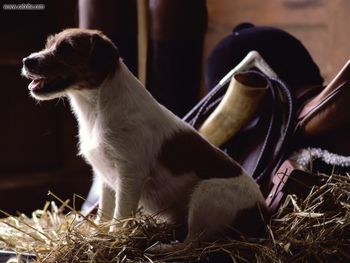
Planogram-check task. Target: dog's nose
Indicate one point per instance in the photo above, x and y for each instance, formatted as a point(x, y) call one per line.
point(29, 62)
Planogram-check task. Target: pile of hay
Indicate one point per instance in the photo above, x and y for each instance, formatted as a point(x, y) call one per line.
point(315, 229)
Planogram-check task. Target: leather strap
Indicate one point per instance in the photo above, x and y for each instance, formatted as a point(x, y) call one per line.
point(280, 94)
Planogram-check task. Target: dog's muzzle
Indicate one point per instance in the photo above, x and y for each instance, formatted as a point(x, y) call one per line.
point(40, 84)
point(30, 62)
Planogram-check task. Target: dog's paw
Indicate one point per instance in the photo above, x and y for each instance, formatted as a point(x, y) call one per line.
point(115, 226)
point(100, 221)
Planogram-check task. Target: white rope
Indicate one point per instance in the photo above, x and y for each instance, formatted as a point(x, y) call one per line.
point(305, 156)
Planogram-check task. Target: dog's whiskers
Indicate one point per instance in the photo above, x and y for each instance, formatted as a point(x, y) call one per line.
point(61, 99)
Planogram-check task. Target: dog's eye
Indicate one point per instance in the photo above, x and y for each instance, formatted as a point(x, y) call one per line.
point(64, 48)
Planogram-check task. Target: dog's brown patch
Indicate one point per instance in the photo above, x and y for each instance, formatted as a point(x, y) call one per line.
point(90, 52)
point(187, 151)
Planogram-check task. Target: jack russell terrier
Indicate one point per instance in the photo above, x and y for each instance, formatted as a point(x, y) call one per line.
point(144, 154)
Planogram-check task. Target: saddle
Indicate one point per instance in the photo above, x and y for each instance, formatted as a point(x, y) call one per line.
point(266, 126)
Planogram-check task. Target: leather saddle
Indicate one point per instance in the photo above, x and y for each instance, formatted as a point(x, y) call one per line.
point(286, 120)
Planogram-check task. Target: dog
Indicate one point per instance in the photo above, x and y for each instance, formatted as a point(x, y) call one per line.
point(145, 155)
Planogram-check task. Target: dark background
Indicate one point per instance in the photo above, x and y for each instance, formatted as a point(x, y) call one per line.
point(37, 141)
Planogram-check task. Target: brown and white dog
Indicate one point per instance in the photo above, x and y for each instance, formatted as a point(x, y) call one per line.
point(145, 155)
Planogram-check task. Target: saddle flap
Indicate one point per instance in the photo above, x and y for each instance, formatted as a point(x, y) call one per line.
point(322, 113)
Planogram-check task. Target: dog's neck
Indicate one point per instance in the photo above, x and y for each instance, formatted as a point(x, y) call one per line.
point(120, 101)
point(110, 98)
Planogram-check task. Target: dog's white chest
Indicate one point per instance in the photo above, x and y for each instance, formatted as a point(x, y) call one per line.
point(90, 139)
point(93, 148)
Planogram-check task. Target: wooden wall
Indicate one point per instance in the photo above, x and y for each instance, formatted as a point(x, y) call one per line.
point(322, 25)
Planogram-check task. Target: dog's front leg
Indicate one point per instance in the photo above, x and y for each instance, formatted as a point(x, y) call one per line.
point(128, 197)
point(106, 204)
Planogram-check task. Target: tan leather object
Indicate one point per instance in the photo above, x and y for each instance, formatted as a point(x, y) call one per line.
point(330, 109)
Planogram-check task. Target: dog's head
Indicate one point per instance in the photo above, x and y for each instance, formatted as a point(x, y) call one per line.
point(72, 59)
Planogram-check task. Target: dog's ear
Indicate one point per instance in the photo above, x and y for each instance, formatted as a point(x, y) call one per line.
point(104, 54)
point(50, 40)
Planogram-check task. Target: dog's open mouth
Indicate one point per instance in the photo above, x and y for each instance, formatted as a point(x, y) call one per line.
point(36, 84)
point(42, 85)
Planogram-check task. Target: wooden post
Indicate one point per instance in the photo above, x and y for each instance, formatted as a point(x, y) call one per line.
point(142, 38)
